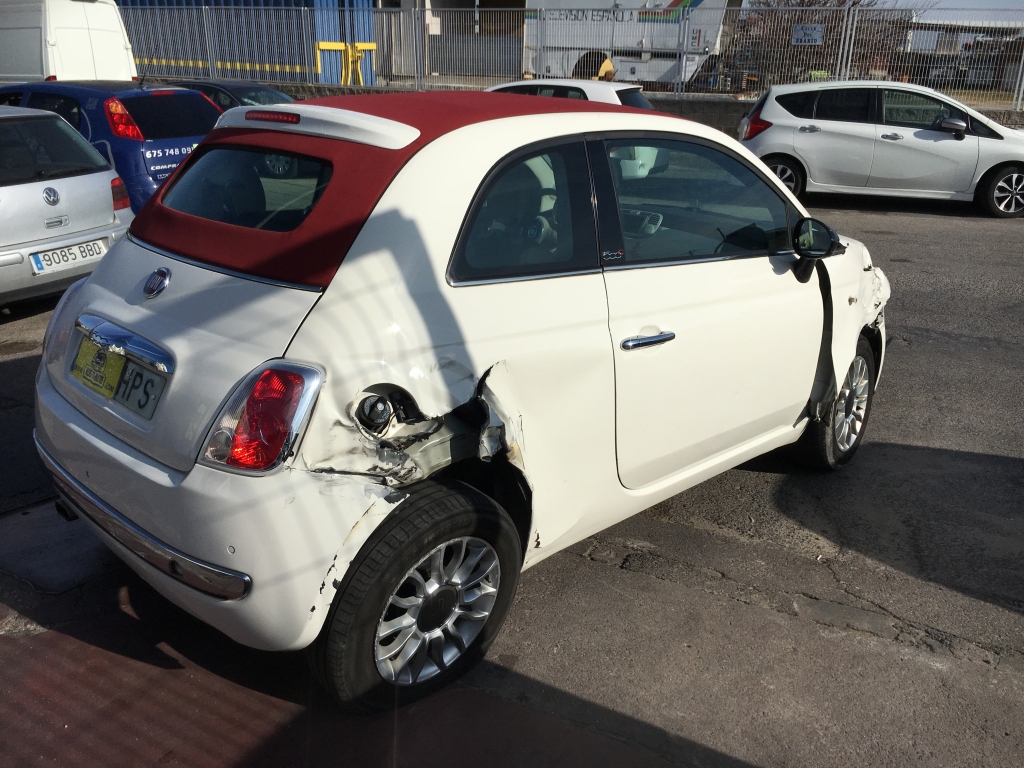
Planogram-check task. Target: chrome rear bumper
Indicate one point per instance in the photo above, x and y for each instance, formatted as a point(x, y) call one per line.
point(204, 577)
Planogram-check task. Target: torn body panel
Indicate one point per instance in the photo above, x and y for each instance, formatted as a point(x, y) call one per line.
point(854, 292)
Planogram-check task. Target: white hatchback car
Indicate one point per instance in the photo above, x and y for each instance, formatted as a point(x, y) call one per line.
point(882, 138)
point(343, 410)
point(604, 92)
point(61, 205)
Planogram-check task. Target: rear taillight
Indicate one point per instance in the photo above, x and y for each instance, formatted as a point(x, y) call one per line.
point(50, 79)
point(262, 422)
point(755, 125)
point(119, 194)
point(121, 122)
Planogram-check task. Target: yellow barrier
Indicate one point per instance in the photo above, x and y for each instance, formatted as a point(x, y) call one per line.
point(351, 59)
point(222, 65)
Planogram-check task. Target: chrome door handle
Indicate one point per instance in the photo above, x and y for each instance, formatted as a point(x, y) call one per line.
point(639, 342)
point(891, 136)
point(809, 129)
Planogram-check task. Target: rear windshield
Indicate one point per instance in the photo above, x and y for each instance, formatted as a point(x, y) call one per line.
point(250, 188)
point(39, 148)
point(634, 98)
point(173, 116)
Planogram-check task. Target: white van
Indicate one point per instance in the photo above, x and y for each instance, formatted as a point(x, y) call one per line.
point(63, 40)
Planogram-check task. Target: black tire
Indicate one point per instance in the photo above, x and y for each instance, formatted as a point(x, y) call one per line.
point(343, 656)
point(789, 171)
point(1003, 193)
point(819, 446)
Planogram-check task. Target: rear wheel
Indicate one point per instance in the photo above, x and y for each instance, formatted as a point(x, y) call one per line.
point(1004, 193)
point(831, 442)
point(789, 172)
point(424, 603)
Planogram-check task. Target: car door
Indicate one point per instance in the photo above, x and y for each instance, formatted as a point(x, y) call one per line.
point(912, 152)
point(837, 144)
point(715, 341)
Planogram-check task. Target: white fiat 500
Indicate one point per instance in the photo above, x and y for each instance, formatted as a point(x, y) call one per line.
point(344, 409)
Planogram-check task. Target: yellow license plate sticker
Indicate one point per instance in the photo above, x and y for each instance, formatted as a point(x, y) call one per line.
point(99, 370)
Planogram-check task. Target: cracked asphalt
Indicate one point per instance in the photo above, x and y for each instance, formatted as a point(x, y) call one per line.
point(768, 617)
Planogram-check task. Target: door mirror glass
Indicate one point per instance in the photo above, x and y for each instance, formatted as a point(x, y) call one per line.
point(813, 239)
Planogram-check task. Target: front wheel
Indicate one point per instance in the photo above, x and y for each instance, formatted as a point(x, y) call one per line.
point(832, 441)
point(425, 601)
point(1004, 193)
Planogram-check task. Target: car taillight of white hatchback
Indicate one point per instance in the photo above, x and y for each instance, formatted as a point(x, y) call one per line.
point(263, 420)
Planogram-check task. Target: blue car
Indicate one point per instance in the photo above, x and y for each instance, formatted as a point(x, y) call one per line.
point(142, 132)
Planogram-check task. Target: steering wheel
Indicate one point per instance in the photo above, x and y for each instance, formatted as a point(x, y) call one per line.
point(539, 231)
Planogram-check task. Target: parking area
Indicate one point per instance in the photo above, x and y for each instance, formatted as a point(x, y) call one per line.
point(770, 616)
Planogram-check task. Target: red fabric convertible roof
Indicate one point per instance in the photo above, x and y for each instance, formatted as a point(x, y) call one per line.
point(311, 254)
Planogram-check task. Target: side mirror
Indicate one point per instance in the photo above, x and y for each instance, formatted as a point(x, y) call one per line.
point(813, 240)
point(955, 126)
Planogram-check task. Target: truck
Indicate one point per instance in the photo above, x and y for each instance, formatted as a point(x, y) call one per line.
point(644, 41)
point(63, 40)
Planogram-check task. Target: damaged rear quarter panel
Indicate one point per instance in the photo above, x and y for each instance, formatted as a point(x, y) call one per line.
point(390, 318)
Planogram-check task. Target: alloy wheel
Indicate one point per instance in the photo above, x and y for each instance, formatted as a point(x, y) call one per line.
point(437, 611)
point(786, 175)
point(1009, 193)
point(278, 165)
point(851, 405)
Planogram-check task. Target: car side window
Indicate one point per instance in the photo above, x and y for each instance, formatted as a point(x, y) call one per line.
point(10, 99)
point(979, 128)
point(65, 106)
point(533, 217)
point(799, 104)
point(560, 92)
point(219, 97)
point(521, 90)
point(915, 110)
point(679, 201)
point(850, 105)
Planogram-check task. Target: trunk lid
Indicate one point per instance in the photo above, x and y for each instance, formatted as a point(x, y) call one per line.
point(83, 203)
point(215, 327)
point(172, 121)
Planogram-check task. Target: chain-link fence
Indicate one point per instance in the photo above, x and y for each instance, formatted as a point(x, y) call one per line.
point(976, 56)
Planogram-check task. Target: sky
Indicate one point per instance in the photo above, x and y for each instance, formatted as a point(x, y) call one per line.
point(1017, 5)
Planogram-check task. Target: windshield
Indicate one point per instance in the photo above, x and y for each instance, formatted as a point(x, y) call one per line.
point(38, 148)
point(172, 116)
point(634, 98)
point(250, 188)
point(259, 95)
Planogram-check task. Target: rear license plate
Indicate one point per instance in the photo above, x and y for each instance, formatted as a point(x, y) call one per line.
point(67, 257)
point(117, 378)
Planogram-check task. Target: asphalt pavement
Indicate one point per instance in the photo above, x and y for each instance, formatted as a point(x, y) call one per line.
point(771, 616)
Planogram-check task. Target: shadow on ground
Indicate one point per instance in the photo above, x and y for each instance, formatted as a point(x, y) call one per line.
point(950, 517)
point(135, 681)
point(24, 479)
